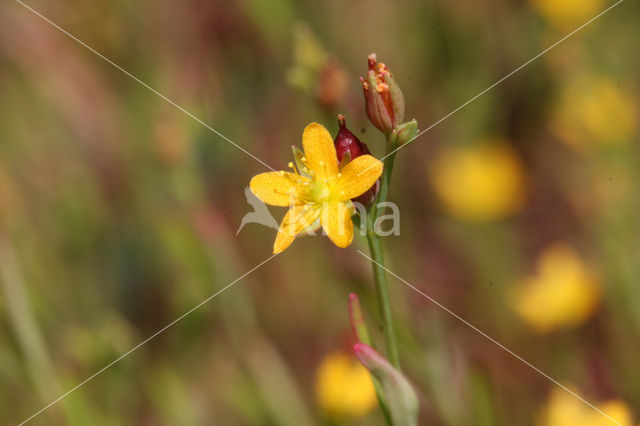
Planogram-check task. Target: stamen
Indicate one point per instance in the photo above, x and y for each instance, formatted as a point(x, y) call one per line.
point(294, 168)
point(382, 87)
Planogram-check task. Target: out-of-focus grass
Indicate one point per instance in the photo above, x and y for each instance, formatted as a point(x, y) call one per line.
point(118, 212)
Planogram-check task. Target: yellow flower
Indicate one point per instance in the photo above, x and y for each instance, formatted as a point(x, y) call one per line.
point(480, 182)
point(593, 111)
point(343, 387)
point(563, 294)
point(564, 409)
point(567, 14)
point(319, 194)
point(309, 57)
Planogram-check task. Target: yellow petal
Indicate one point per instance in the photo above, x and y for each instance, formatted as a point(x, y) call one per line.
point(277, 188)
point(336, 222)
point(319, 151)
point(297, 220)
point(358, 176)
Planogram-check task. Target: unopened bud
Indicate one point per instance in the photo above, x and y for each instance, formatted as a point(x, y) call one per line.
point(405, 133)
point(349, 147)
point(400, 397)
point(384, 99)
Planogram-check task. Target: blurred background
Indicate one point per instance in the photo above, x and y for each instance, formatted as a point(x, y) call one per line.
point(118, 212)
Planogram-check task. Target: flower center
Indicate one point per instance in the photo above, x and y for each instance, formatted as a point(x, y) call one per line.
point(320, 192)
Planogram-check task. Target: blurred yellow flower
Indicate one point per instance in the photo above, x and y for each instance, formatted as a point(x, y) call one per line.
point(480, 182)
point(318, 194)
point(344, 388)
point(594, 111)
point(564, 409)
point(562, 294)
point(309, 57)
point(567, 14)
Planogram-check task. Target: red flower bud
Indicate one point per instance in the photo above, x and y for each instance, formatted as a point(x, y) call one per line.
point(384, 99)
point(346, 141)
point(348, 147)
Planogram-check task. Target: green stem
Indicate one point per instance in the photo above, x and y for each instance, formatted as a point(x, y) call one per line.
point(379, 273)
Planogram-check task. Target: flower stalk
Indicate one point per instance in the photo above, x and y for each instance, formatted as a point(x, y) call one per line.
point(375, 249)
